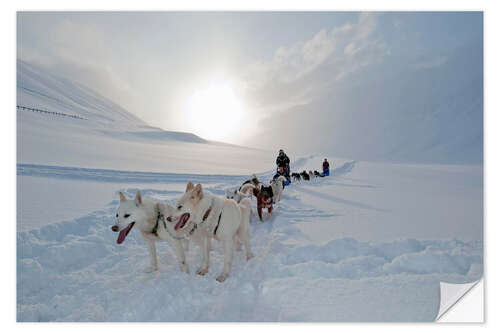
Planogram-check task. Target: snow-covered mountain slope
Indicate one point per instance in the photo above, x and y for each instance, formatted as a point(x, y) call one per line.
point(369, 243)
point(109, 137)
point(39, 88)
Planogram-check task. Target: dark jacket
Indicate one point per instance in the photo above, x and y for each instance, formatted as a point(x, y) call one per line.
point(282, 161)
point(326, 165)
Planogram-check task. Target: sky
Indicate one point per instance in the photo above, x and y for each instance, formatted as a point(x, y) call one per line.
point(373, 85)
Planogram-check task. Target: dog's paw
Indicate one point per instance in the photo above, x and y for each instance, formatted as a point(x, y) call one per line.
point(249, 256)
point(222, 277)
point(150, 269)
point(202, 271)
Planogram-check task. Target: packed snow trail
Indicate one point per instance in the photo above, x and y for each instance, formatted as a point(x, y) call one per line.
point(75, 271)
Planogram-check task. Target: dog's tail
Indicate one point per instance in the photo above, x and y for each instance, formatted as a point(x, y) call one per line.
point(282, 178)
point(247, 188)
point(256, 191)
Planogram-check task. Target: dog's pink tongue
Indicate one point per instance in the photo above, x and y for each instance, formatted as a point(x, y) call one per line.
point(182, 221)
point(124, 233)
point(121, 236)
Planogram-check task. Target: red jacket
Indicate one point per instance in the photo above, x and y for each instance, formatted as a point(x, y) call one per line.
point(326, 165)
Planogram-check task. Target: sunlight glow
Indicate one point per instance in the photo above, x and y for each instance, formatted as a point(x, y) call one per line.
point(215, 113)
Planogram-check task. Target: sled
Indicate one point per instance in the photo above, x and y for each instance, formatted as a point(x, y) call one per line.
point(278, 173)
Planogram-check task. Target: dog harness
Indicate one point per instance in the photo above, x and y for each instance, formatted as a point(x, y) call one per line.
point(205, 217)
point(267, 204)
point(155, 228)
point(217, 226)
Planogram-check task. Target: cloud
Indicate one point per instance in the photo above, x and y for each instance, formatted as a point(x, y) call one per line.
point(297, 72)
point(343, 92)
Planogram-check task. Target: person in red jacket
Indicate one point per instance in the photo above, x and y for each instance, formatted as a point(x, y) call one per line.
point(326, 168)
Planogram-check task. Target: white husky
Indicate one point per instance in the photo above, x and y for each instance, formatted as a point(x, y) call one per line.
point(214, 217)
point(144, 215)
point(277, 186)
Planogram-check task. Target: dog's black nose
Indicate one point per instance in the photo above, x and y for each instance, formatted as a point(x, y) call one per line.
point(114, 228)
point(169, 219)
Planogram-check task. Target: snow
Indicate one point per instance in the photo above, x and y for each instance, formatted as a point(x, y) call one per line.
point(369, 243)
point(73, 270)
point(384, 201)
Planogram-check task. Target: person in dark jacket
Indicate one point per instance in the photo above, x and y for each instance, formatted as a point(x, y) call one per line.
point(326, 168)
point(282, 161)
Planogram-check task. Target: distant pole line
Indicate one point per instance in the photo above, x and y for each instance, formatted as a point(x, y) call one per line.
point(25, 108)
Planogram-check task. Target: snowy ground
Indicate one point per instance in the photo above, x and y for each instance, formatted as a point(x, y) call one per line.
point(369, 243)
point(332, 251)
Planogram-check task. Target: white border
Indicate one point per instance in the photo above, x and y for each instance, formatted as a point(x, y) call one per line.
point(492, 165)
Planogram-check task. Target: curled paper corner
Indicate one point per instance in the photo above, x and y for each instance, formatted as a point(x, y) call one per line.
point(451, 293)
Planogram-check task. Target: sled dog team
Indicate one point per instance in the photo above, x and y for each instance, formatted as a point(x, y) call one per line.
point(199, 216)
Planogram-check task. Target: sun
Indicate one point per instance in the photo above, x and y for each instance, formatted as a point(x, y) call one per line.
point(215, 112)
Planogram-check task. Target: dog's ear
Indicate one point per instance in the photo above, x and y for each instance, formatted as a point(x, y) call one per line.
point(122, 197)
point(198, 191)
point(138, 198)
point(189, 186)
